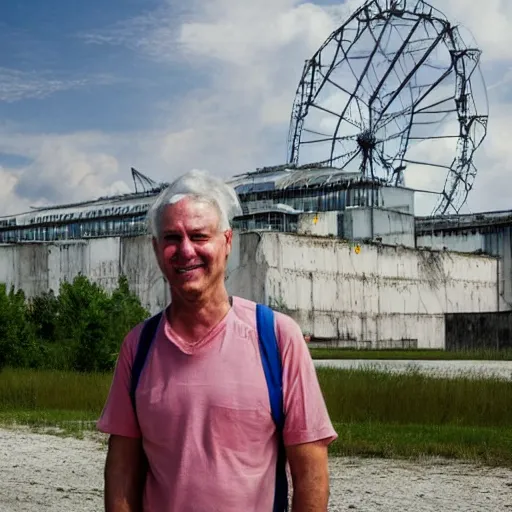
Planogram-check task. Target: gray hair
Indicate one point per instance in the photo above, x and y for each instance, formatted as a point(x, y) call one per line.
point(202, 187)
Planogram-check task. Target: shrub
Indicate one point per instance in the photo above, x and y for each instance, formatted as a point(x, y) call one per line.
point(81, 329)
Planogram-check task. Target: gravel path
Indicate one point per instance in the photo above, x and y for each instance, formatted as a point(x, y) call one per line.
point(49, 473)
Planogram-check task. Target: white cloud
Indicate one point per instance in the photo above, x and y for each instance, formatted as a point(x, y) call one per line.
point(18, 85)
point(252, 55)
point(488, 23)
point(10, 202)
point(62, 169)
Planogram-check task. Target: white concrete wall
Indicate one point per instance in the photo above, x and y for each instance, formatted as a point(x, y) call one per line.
point(460, 242)
point(318, 224)
point(37, 268)
point(398, 199)
point(497, 242)
point(384, 296)
point(393, 228)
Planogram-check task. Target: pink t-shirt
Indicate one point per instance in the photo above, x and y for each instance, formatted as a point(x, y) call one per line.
point(204, 414)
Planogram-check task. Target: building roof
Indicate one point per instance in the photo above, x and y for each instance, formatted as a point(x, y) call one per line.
point(285, 177)
point(462, 221)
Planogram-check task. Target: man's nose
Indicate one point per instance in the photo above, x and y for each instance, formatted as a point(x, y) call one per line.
point(186, 247)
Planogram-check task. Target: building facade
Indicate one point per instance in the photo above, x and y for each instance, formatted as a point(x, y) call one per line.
point(273, 199)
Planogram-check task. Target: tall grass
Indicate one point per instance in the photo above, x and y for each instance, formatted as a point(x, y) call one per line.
point(40, 390)
point(367, 395)
point(68, 401)
point(375, 413)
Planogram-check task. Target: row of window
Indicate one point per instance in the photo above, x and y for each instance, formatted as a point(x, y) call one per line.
point(135, 225)
point(268, 221)
point(132, 227)
point(318, 200)
point(311, 201)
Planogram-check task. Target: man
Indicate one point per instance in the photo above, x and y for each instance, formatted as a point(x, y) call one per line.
point(203, 438)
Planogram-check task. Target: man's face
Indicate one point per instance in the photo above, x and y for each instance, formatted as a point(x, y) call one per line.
point(191, 250)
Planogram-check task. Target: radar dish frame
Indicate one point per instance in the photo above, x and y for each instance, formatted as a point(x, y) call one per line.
point(472, 123)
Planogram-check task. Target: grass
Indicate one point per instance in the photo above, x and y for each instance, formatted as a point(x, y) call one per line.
point(64, 402)
point(485, 445)
point(375, 413)
point(418, 355)
point(361, 395)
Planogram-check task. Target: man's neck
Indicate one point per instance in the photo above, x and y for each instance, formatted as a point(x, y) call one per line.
point(193, 318)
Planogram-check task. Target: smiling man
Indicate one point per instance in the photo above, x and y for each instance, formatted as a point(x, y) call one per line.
point(198, 434)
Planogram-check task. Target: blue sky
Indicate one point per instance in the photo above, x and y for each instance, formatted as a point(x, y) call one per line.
point(89, 89)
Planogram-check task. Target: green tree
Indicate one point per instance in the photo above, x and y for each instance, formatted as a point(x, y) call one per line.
point(125, 313)
point(83, 323)
point(19, 346)
point(81, 329)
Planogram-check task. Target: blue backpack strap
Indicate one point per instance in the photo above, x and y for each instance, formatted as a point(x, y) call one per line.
point(272, 366)
point(146, 337)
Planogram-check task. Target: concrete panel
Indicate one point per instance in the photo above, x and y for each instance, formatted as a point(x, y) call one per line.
point(8, 273)
point(318, 224)
point(388, 227)
point(139, 265)
point(248, 279)
point(103, 261)
point(72, 262)
point(32, 269)
point(398, 199)
point(460, 242)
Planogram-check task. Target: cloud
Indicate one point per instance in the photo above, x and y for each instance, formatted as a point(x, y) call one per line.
point(151, 33)
point(249, 57)
point(62, 169)
point(488, 25)
point(18, 85)
point(10, 202)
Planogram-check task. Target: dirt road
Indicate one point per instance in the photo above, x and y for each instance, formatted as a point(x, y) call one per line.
point(48, 473)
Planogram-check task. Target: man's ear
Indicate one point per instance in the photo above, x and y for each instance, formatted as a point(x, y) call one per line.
point(228, 234)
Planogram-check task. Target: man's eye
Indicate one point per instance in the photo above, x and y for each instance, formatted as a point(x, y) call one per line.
point(198, 238)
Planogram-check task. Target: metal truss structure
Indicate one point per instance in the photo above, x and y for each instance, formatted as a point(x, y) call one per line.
point(393, 92)
point(142, 182)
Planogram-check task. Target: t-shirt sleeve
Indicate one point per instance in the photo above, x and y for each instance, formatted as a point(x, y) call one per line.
point(118, 417)
point(307, 418)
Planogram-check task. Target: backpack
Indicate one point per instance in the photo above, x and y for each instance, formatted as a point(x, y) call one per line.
point(272, 367)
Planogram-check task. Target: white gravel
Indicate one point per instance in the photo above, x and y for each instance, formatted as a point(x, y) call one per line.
point(49, 473)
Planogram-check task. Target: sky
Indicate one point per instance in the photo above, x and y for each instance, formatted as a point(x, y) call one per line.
point(90, 89)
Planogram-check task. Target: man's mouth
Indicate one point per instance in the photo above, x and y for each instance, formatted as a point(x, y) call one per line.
point(189, 268)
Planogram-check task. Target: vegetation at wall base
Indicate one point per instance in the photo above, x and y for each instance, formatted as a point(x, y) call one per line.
point(410, 354)
point(81, 329)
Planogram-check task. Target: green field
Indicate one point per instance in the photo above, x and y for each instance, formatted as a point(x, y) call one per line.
point(413, 355)
point(375, 414)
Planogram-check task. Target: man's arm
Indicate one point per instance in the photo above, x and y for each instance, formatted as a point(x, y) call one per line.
point(125, 474)
point(310, 476)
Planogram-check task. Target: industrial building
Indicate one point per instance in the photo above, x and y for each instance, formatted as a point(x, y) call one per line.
point(343, 255)
point(478, 233)
point(331, 236)
point(342, 204)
